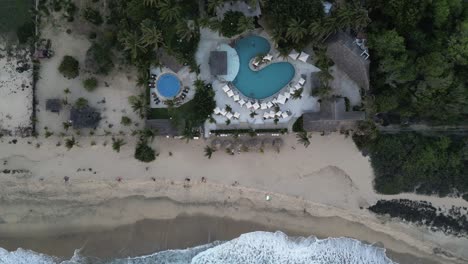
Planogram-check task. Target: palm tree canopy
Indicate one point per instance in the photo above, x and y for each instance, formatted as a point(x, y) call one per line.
point(246, 24)
point(132, 43)
point(151, 35)
point(169, 11)
point(296, 30)
point(213, 4)
point(184, 31)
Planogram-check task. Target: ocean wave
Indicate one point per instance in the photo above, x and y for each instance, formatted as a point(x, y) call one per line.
point(255, 247)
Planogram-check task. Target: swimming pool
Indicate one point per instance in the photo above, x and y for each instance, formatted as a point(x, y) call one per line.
point(265, 82)
point(168, 85)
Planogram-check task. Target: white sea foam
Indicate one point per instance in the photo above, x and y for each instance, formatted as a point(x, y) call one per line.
point(265, 247)
point(255, 247)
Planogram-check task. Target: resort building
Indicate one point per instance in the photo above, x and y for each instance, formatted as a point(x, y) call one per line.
point(255, 87)
point(351, 56)
point(332, 117)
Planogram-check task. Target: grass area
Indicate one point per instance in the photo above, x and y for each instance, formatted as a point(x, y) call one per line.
point(158, 113)
point(13, 14)
point(298, 125)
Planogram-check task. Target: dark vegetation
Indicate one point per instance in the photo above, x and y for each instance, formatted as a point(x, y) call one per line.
point(15, 17)
point(229, 25)
point(99, 58)
point(90, 84)
point(297, 23)
point(420, 59)
point(453, 222)
point(70, 67)
point(410, 162)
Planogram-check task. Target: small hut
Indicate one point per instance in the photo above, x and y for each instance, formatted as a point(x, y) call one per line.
point(84, 117)
point(54, 105)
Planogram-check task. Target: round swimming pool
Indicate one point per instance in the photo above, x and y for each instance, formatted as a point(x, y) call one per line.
point(168, 85)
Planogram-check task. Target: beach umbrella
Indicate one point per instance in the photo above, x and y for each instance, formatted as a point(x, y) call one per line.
point(223, 112)
point(227, 143)
point(267, 142)
point(268, 57)
point(302, 81)
point(248, 105)
point(293, 55)
point(270, 105)
point(281, 99)
point(216, 143)
point(277, 142)
point(230, 93)
point(303, 57)
point(287, 95)
point(297, 86)
point(284, 115)
point(254, 143)
point(263, 106)
point(226, 88)
point(272, 114)
point(242, 102)
point(266, 115)
point(236, 115)
point(256, 106)
point(229, 115)
point(217, 111)
point(236, 98)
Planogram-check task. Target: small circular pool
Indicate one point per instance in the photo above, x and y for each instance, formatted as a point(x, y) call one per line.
point(168, 85)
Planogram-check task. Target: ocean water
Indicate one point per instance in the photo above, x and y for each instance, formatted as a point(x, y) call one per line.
point(255, 247)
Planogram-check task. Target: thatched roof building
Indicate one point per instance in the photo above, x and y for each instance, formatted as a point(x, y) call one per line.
point(332, 117)
point(54, 105)
point(347, 56)
point(164, 127)
point(85, 117)
point(218, 63)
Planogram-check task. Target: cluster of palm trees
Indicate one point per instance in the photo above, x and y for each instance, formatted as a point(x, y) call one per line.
point(345, 17)
point(150, 36)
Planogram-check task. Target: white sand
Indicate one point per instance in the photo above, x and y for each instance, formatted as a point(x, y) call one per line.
point(120, 85)
point(330, 178)
point(16, 92)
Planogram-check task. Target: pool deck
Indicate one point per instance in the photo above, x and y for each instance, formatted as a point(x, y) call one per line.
point(209, 41)
point(186, 78)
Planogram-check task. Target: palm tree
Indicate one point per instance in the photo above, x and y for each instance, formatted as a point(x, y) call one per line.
point(117, 143)
point(139, 104)
point(169, 11)
point(131, 43)
point(184, 31)
point(151, 35)
point(70, 142)
point(146, 134)
point(209, 151)
point(360, 19)
point(297, 94)
point(151, 2)
point(213, 4)
point(296, 30)
point(303, 138)
point(317, 30)
point(245, 24)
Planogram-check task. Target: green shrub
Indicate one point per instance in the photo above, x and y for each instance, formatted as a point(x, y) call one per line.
point(90, 84)
point(126, 121)
point(99, 59)
point(298, 125)
point(93, 16)
point(229, 25)
point(70, 67)
point(81, 103)
point(144, 153)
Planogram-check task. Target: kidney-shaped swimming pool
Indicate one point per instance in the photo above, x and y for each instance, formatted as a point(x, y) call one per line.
point(265, 82)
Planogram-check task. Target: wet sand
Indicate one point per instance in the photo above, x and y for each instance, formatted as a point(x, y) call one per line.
point(148, 236)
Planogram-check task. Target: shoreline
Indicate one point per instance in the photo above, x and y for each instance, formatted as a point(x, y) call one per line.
point(200, 226)
point(330, 181)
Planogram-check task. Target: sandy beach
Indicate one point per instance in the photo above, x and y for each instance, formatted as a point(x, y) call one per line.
point(37, 200)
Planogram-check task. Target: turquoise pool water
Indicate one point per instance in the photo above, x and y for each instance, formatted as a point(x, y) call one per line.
point(263, 83)
point(168, 85)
